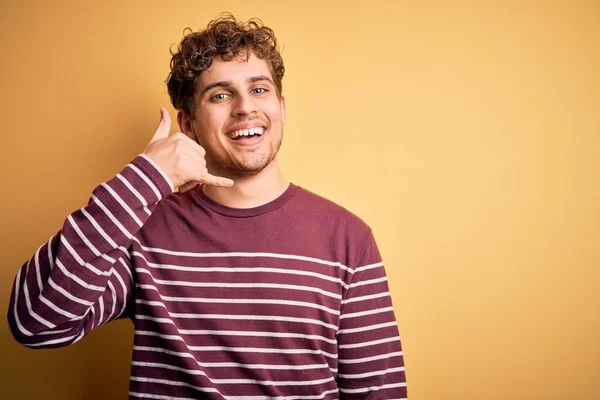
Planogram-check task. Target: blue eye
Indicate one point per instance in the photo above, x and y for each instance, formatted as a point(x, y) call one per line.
point(220, 96)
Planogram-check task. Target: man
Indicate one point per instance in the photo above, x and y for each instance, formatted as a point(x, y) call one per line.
point(240, 285)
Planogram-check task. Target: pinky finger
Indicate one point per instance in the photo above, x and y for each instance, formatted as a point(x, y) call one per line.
point(212, 180)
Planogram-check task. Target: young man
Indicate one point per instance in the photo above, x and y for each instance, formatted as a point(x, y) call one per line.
point(240, 285)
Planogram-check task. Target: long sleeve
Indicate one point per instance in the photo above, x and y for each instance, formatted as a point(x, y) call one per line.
point(371, 363)
point(81, 278)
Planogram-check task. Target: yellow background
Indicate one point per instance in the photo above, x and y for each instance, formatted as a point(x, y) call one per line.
point(466, 134)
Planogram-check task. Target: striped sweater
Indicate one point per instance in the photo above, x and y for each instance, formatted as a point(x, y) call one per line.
point(288, 300)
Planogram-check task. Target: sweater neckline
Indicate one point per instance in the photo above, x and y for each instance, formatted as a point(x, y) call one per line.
point(246, 212)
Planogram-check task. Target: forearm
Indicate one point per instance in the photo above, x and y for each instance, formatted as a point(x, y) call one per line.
point(76, 280)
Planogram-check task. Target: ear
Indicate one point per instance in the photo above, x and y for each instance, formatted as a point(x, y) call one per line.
point(185, 125)
point(282, 109)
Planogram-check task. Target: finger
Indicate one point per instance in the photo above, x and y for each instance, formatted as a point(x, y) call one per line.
point(164, 126)
point(187, 186)
point(212, 180)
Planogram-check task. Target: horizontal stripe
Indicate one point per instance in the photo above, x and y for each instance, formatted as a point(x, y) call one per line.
point(249, 285)
point(158, 396)
point(372, 373)
point(243, 254)
point(368, 328)
point(237, 349)
point(237, 300)
point(371, 343)
point(369, 282)
point(281, 367)
point(369, 359)
point(235, 333)
point(368, 267)
point(367, 297)
point(284, 271)
point(368, 312)
point(374, 388)
point(232, 381)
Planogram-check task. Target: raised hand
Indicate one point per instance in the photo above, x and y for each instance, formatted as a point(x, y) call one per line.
point(180, 158)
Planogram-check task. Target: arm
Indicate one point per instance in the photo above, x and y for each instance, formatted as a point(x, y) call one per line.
point(371, 363)
point(82, 277)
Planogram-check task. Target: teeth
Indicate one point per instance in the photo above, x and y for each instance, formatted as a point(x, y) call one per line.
point(247, 132)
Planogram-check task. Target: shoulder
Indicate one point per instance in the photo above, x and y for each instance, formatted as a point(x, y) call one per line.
point(327, 211)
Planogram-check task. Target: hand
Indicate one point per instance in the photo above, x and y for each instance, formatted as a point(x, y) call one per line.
point(180, 158)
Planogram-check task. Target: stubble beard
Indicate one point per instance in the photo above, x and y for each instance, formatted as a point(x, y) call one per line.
point(250, 164)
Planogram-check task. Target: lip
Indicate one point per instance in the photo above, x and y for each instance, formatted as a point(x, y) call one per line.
point(251, 141)
point(246, 125)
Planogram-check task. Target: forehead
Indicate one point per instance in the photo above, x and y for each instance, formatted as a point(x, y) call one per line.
point(236, 71)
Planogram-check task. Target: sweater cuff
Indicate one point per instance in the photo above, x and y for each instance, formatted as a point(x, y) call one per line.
point(157, 175)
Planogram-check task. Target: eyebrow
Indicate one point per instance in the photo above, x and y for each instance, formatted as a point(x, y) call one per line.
point(227, 84)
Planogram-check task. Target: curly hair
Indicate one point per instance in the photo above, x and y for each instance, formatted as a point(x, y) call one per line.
point(224, 37)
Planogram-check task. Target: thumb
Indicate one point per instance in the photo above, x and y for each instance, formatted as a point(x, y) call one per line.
point(164, 126)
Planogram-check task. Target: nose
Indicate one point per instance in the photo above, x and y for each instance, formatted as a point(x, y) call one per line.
point(243, 104)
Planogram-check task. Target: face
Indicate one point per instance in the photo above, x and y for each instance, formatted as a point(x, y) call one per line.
point(238, 118)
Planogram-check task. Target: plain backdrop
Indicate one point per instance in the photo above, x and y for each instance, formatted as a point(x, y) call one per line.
point(466, 134)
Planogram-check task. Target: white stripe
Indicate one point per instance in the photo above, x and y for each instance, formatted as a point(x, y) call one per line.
point(282, 367)
point(54, 332)
point(101, 231)
point(244, 254)
point(123, 204)
point(368, 328)
point(49, 342)
point(371, 343)
point(173, 383)
point(373, 373)
point(31, 312)
point(369, 297)
point(165, 177)
point(120, 279)
point(303, 397)
point(233, 333)
point(101, 312)
point(77, 279)
point(83, 238)
point(367, 267)
point(36, 262)
point(231, 381)
point(17, 285)
point(135, 193)
point(204, 389)
point(238, 300)
point(157, 396)
point(369, 282)
point(147, 180)
point(58, 309)
point(93, 311)
point(67, 294)
point(127, 268)
point(50, 258)
point(79, 260)
point(240, 285)
point(111, 217)
point(241, 269)
point(114, 300)
point(369, 359)
point(373, 388)
point(254, 318)
point(368, 312)
point(237, 349)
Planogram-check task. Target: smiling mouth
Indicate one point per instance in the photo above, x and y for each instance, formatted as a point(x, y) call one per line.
point(246, 133)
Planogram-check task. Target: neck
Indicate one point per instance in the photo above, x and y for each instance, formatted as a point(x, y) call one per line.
point(250, 191)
